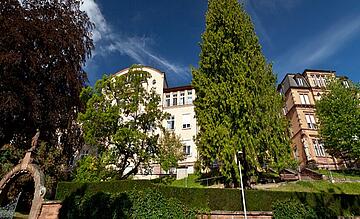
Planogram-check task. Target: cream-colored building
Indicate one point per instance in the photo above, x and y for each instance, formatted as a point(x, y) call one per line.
point(178, 102)
point(301, 91)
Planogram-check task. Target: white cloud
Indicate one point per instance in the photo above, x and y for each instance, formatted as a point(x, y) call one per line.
point(108, 41)
point(273, 6)
point(322, 46)
point(256, 7)
point(95, 15)
point(259, 27)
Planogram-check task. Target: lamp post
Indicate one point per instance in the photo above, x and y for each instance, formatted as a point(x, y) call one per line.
point(241, 184)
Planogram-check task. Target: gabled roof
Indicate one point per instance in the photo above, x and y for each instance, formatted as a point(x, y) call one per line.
point(144, 68)
point(291, 80)
point(319, 70)
point(180, 88)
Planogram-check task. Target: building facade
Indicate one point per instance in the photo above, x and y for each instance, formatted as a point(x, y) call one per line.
point(301, 91)
point(178, 102)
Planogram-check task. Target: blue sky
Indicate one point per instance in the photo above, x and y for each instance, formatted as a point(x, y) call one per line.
point(294, 34)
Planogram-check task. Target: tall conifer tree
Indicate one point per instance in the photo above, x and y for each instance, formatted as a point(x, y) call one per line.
point(237, 106)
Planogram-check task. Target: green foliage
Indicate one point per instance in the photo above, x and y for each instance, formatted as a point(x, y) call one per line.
point(321, 186)
point(122, 118)
point(54, 165)
point(348, 174)
point(50, 159)
point(133, 204)
point(339, 115)
point(237, 106)
point(189, 182)
point(170, 150)
point(9, 156)
point(292, 209)
point(92, 169)
point(151, 204)
point(164, 180)
point(219, 199)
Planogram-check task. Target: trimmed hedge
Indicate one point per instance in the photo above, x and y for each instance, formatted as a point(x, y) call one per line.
point(220, 199)
point(293, 209)
point(140, 204)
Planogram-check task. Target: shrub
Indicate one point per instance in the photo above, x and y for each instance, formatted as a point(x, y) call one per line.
point(292, 209)
point(131, 204)
point(218, 199)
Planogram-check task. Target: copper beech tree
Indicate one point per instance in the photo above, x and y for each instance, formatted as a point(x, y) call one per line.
point(43, 48)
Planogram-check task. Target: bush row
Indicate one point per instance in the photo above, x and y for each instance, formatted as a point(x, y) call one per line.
point(220, 199)
point(132, 204)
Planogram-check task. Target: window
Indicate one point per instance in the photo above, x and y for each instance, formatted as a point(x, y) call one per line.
point(186, 121)
point(187, 150)
point(171, 123)
point(167, 101)
point(189, 97)
point(319, 148)
point(304, 98)
point(345, 83)
point(281, 91)
point(310, 120)
point(296, 152)
point(285, 110)
point(313, 78)
point(182, 98)
point(319, 81)
point(323, 81)
point(300, 81)
point(174, 99)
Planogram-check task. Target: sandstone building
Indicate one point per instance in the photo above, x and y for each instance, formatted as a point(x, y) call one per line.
point(301, 91)
point(178, 102)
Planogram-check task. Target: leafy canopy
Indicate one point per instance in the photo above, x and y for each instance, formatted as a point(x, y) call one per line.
point(123, 118)
point(170, 150)
point(339, 115)
point(43, 47)
point(237, 106)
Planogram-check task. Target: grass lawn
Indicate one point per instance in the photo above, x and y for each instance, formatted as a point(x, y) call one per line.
point(300, 186)
point(341, 175)
point(189, 182)
point(320, 186)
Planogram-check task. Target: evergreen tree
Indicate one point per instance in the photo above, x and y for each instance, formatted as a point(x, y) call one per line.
point(237, 106)
point(339, 115)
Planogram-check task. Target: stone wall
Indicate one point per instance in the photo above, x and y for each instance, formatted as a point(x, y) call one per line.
point(237, 215)
point(50, 210)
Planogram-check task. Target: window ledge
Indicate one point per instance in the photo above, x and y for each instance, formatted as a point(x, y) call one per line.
point(175, 106)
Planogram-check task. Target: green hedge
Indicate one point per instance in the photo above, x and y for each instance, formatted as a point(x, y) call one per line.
point(219, 199)
point(293, 209)
point(140, 204)
point(64, 189)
